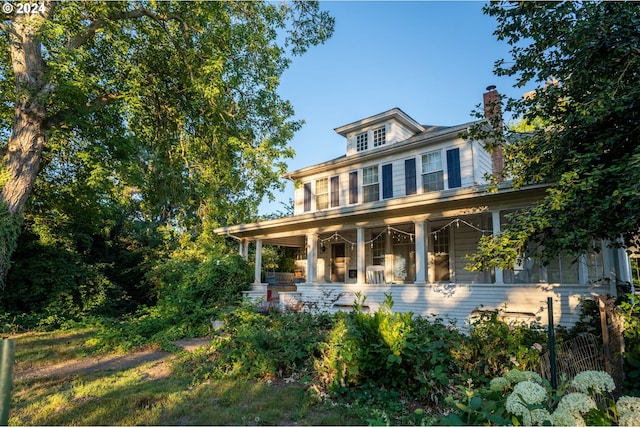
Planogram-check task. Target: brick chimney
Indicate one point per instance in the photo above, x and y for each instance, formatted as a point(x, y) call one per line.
point(493, 113)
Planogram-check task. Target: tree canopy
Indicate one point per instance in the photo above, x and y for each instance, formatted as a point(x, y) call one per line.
point(164, 113)
point(584, 117)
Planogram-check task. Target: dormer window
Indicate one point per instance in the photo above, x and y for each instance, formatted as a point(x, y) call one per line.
point(362, 141)
point(379, 136)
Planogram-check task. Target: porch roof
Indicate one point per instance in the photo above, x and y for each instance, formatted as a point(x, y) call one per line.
point(290, 231)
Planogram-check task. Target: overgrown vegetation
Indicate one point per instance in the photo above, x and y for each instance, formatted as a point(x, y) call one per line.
point(353, 367)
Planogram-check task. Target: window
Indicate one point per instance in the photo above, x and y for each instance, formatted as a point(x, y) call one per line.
point(440, 245)
point(353, 187)
point(379, 136)
point(377, 249)
point(410, 176)
point(362, 141)
point(335, 191)
point(370, 184)
point(432, 174)
point(387, 181)
point(322, 194)
point(307, 196)
point(453, 168)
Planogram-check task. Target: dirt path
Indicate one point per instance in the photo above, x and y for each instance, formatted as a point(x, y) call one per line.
point(114, 362)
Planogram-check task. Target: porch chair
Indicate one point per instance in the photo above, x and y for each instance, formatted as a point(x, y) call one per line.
point(375, 274)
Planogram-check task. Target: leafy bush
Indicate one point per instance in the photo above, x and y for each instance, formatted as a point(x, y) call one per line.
point(257, 346)
point(191, 293)
point(630, 310)
point(387, 350)
point(495, 346)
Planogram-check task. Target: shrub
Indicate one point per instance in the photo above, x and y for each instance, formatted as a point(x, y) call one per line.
point(255, 346)
point(495, 345)
point(392, 351)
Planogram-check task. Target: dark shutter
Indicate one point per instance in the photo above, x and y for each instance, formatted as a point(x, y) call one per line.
point(307, 197)
point(410, 176)
point(387, 181)
point(453, 168)
point(353, 187)
point(335, 191)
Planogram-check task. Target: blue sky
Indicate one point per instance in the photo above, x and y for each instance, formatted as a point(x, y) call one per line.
point(432, 59)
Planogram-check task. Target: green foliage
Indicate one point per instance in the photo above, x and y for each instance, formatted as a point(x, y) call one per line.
point(162, 119)
point(584, 123)
point(9, 232)
point(630, 310)
point(191, 294)
point(388, 350)
point(257, 346)
point(524, 398)
point(495, 346)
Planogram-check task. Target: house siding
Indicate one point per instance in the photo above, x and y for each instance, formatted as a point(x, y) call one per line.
point(458, 302)
point(471, 167)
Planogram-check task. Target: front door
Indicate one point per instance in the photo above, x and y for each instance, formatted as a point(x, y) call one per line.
point(338, 262)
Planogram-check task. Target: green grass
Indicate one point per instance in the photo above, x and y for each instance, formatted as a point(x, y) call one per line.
point(144, 395)
point(35, 349)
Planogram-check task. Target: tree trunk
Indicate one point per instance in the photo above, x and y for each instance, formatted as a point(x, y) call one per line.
point(24, 149)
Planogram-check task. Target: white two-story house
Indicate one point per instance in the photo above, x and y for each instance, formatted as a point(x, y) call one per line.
point(398, 214)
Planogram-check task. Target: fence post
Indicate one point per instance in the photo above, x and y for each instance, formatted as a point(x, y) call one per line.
point(552, 345)
point(7, 351)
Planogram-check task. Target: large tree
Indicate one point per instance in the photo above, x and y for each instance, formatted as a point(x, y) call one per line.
point(177, 99)
point(584, 138)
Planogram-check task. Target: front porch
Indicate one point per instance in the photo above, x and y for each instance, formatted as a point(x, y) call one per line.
point(416, 252)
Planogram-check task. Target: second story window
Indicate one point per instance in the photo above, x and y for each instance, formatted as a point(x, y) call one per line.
point(362, 141)
point(370, 184)
point(432, 173)
point(379, 136)
point(322, 194)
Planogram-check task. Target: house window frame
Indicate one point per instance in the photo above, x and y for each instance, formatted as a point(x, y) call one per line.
point(334, 191)
point(362, 141)
point(370, 188)
point(379, 136)
point(438, 172)
point(322, 193)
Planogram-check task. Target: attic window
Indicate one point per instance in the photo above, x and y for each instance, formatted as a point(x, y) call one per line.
point(362, 141)
point(379, 136)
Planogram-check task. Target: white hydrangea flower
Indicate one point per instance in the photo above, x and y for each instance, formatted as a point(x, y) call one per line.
point(499, 384)
point(593, 381)
point(628, 404)
point(524, 394)
point(576, 403)
point(631, 418)
point(531, 392)
point(515, 376)
point(564, 418)
point(539, 416)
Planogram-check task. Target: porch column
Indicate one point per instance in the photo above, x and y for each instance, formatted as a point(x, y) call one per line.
point(312, 257)
point(258, 271)
point(388, 258)
point(360, 256)
point(421, 253)
point(495, 219)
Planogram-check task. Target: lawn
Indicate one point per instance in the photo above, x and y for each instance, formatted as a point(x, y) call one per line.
point(158, 392)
